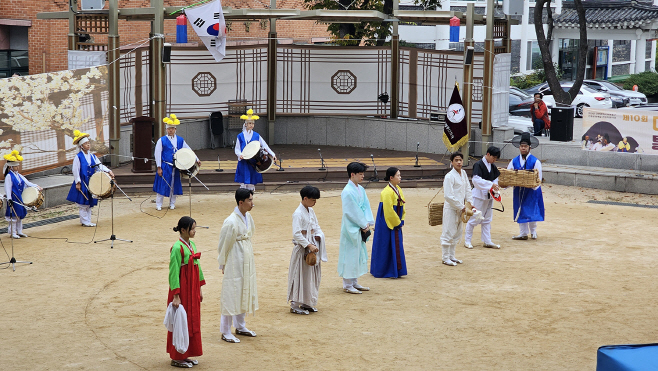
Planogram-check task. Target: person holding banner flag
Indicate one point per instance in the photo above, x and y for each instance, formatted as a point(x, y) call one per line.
point(209, 24)
point(455, 132)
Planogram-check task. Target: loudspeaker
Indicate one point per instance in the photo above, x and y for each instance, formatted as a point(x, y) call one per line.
point(217, 123)
point(562, 124)
point(468, 57)
point(166, 53)
point(92, 4)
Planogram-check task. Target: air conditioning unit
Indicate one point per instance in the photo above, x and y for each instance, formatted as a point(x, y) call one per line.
point(92, 4)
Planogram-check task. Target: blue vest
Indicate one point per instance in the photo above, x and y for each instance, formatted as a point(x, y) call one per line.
point(86, 171)
point(246, 172)
point(160, 185)
point(530, 201)
point(17, 187)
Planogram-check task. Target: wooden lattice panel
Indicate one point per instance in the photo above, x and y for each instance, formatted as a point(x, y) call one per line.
point(93, 24)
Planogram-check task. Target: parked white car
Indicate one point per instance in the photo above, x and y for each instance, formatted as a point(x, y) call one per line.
point(520, 124)
point(587, 97)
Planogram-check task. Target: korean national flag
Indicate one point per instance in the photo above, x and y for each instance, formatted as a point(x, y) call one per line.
point(208, 22)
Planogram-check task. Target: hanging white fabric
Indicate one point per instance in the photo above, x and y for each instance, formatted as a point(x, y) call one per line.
point(176, 322)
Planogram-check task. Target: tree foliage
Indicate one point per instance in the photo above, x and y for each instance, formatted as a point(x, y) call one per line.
point(544, 41)
point(647, 82)
point(370, 33)
point(538, 76)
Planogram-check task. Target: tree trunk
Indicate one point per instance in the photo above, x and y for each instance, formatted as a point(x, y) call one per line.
point(544, 46)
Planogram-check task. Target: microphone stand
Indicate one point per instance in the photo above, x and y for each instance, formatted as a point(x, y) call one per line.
point(376, 177)
point(417, 145)
point(113, 237)
point(322, 168)
point(13, 260)
point(280, 165)
point(219, 166)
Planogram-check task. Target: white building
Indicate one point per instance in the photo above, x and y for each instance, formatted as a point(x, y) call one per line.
point(621, 34)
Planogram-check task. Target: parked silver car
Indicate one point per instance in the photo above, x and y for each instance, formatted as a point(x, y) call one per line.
point(634, 98)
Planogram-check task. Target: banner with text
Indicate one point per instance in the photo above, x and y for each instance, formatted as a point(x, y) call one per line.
point(620, 130)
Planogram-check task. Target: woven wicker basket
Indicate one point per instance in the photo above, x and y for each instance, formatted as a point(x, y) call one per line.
point(435, 213)
point(435, 210)
point(519, 178)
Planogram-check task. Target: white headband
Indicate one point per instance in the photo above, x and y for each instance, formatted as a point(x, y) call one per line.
point(83, 141)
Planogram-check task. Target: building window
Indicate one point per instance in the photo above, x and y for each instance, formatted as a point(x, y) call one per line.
point(13, 62)
point(534, 56)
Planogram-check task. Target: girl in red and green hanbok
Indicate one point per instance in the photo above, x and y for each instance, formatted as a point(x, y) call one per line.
point(185, 281)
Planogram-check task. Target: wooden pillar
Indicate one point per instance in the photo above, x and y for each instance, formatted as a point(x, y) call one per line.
point(467, 90)
point(395, 67)
point(113, 81)
point(488, 77)
point(158, 77)
point(271, 76)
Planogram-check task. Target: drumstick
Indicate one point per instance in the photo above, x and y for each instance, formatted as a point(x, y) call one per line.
point(83, 194)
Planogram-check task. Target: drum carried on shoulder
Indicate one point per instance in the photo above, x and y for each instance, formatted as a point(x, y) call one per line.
point(257, 156)
point(32, 197)
point(101, 185)
point(185, 161)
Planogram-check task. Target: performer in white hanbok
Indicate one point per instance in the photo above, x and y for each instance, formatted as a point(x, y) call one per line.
point(307, 238)
point(457, 191)
point(354, 230)
point(485, 180)
point(236, 261)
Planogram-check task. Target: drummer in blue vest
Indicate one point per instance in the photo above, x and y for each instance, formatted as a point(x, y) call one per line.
point(84, 166)
point(15, 184)
point(246, 173)
point(167, 181)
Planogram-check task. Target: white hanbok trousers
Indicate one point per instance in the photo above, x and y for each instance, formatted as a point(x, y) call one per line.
point(160, 198)
point(452, 232)
point(237, 320)
point(85, 214)
point(487, 212)
point(527, 228)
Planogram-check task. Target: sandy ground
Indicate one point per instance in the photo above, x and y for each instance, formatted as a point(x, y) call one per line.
point(533, 305)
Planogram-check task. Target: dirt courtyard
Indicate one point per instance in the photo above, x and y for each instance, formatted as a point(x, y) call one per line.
point(589, 280)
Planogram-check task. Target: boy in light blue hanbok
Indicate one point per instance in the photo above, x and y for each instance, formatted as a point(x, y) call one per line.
point(357, 220)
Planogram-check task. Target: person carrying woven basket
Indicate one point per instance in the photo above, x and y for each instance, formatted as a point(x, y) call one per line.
point(528, 202)
point(457, 191)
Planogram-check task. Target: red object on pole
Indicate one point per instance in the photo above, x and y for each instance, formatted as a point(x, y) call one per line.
point(454, 21)
point(181, 20)
point(635, 88)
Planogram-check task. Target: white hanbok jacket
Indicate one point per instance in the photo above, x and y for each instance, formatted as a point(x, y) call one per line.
point(236, 257)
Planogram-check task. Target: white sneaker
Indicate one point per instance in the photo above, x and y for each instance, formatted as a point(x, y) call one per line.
point(15, 236)
point(534, 236)
point(455, 260)
point(449, 262)
point(468, 245)
point(22, 234)
point(158, 208)
point(89, 225)
point(492, 245)
point(172, 207)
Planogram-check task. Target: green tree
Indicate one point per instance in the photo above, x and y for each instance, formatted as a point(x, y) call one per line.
point(372, 33)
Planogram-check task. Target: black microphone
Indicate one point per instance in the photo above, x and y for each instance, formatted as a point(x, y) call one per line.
point(417, 145)
point(95, 165)
point(323, 168)
point(375, 178)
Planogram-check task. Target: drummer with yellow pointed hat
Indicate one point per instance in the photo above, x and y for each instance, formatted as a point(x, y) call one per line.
point(167, 181)
point(246, 173)
point(84, 166)
point(15, 183)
